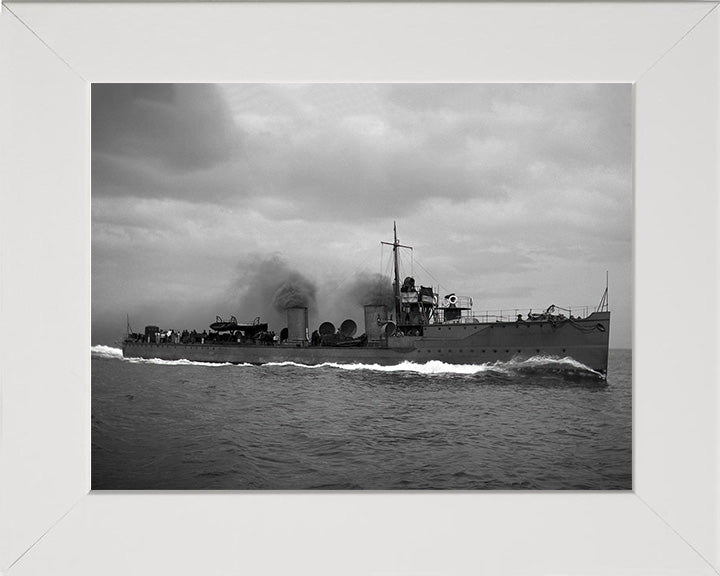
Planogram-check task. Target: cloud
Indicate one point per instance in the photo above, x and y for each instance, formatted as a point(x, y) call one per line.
point(302, 150)
point(508, 192)
point(161, 128)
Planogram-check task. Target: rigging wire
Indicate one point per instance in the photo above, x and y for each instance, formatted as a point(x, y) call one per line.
point(388, 267)
point(358, 270)
point(429, 274)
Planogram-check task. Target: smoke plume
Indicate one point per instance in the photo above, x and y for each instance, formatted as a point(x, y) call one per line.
point(267, 285)
point(295, 291)
point(373, 289)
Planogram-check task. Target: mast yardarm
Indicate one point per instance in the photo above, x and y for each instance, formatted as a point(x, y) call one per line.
point(396, 283)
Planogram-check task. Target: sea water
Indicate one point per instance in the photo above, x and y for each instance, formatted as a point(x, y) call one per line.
point(540, 424)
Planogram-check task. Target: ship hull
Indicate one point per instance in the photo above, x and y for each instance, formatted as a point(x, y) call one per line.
point(585, 341)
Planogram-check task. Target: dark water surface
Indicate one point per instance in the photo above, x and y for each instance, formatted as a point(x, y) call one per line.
point(539, 424)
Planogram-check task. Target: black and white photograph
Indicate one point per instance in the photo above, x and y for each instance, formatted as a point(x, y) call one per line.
point(362, 286)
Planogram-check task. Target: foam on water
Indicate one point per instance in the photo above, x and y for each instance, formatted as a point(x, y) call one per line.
point(181, 362)
point(101, 351)
point(431, 367)
point(116, 353)
point(438, 367)
point(542, 362)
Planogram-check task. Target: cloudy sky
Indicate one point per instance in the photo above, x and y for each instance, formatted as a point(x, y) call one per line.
point(519, 195)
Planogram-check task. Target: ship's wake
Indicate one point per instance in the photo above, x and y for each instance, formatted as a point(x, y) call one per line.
point(108, 352)
point(534, 366)
point(101, 351)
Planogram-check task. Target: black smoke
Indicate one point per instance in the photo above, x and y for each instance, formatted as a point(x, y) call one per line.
point(295, 291)
point(267, 286)
point(373, 289)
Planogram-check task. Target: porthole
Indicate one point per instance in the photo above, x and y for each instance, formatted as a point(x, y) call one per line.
point(506, 351)
point(537, 350)
point(563, 350)
point(494, 351)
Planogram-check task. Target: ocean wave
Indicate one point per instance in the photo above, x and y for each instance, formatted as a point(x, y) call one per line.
point(529, 365)
point(181, 362)
point(100, 351)
point(535, 363)
point(541, 362)
point(430, 367)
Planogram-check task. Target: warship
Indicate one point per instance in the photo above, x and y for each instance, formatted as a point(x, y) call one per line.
point(416, 324)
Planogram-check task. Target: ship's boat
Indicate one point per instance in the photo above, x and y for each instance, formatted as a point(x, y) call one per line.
point(416, 324)
point(249, 329)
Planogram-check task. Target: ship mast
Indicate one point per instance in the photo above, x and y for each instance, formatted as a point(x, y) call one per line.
point(396, 287)
point(397, 273)
point(604, 305)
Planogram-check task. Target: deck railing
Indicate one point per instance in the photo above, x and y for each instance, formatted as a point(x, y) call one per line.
point(511, 314)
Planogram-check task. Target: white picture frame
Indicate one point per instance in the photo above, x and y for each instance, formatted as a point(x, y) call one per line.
point(51, 524)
